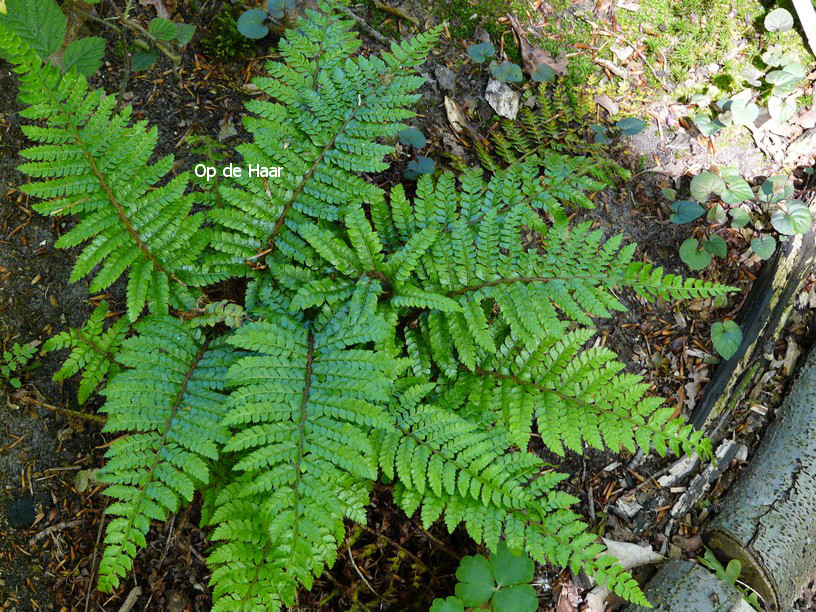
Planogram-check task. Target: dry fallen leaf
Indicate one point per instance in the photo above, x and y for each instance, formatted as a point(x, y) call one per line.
point(158, 5)
point(533, 57)
point(607, 103)
point(569, 599)
point(456, 117)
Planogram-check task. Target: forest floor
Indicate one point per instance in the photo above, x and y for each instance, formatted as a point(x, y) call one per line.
point(51, 517)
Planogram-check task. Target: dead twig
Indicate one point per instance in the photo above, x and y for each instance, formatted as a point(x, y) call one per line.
point(53, 528)
point(360, 574)
point(96, 418)
point(364, 25)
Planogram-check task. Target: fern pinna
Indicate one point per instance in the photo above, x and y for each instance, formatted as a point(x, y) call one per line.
point(417, 336)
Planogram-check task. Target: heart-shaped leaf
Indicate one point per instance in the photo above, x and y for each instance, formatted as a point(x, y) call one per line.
point(412, 137)
point(279, 8)
point(694, 255)
point(185, 33)
point(450, 604)
point(252, 24)
point(482, 52)
point(737, 190)
point(476, 583)
point(744, 113)
point(777, 56)
point(510, 569)
point(716, 245)
point(686, 211)
point(162, 29)
point(543, 73)
point(705, 184)
point(775, 189)
point(507, 72)
point(751, 75)
point(418, 166)
point(778, 20)
point(629, 126)
point(707, 126)
point(726, 338)
point(85, 54)
point(792, 218)
point(600, 132)
point(781, 109)
point(783, 82)
point(740, 217)
point(763, 246)
point(716, 214)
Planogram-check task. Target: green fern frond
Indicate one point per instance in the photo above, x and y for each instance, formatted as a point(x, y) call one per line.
point(326, 117)
point(169, 402)
point(554, 132)
point(93, 350)
point(451, 468)
point(89, 161)
point(306, 399)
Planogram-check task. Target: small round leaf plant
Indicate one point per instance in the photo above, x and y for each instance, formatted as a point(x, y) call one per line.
point(500, 583)
point(773, 87)
point(729, 195)
point(254, 23)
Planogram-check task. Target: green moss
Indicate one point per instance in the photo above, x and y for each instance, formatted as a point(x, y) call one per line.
point(464, 16)
point(223, 41)
point(691, 33)
point(381, 20)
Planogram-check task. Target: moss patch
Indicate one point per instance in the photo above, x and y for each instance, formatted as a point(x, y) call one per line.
point(690, 33)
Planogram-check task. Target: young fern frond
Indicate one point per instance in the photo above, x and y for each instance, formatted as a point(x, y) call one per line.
point(306, 399)
point(555, 133)
point(327, 112)
point(90, 162)
point(170, 404)
point(93, 350)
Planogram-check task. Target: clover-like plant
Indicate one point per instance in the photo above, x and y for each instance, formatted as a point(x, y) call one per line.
point(500, 583)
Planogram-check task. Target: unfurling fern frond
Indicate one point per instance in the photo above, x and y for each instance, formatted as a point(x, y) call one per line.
point(91, 162)
point(93, 350)
point(306, 399)
point(169, 402)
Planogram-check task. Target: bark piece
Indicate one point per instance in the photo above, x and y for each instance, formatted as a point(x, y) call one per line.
point(503, 98)
point(701, 484)
point(683, 586)
point(762, 320)
point(768, 519)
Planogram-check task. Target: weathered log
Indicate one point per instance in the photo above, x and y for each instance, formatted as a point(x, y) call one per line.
point(768, 518)
point(683, 586)
point(762, 320)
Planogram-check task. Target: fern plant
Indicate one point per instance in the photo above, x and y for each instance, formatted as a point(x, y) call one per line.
point(93, 349)
point(416, 338)
point(554, 131)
